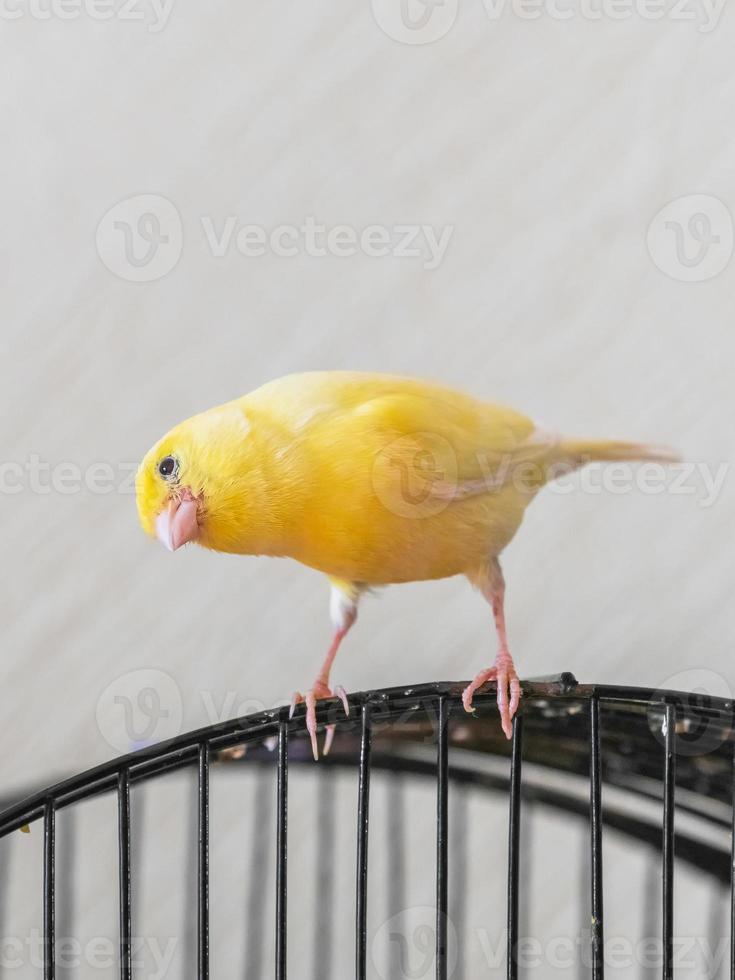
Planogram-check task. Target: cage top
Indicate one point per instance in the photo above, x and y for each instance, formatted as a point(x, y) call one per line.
point(557, 736)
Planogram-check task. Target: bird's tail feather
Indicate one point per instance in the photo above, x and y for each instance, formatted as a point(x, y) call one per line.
point(543, 458)
point(581, 451)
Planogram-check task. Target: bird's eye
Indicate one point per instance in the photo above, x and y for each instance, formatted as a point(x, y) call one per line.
point(168, 467)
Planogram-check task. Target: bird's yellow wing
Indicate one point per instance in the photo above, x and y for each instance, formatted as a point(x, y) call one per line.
point(351, 402)
point(465, 438)
point(412, 444)
point(419, 441)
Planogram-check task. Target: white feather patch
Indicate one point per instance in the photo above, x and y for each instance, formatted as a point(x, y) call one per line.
point(342, 609)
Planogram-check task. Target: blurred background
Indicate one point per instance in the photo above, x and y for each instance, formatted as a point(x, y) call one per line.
point(532, 202)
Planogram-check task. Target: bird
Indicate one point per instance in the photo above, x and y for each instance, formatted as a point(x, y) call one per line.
point(372, 479)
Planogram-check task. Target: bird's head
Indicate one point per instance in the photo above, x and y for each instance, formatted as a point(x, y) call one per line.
point(170, 492)
point(189, 486)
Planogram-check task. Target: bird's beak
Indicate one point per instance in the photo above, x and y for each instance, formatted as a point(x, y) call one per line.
point(178, 524)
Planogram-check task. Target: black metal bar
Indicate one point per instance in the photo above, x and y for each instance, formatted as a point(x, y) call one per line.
point(363, 817)
point(597, 929)
point(668, 842)
point(66, 873)
point(190, 878)
point(203, 873)
point(49, 890)
point(281, 851)
point(442, 830)
point(514, 840)
point(123, 827)
point(732, 875)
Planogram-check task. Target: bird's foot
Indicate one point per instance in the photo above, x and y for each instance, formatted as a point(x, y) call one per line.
point(508, 686)
point(480, 680)
point(319, 692)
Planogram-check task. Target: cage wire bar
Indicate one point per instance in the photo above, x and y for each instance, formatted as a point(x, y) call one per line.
point(668, 842)
point(49, 890)
point(123, 824)
point(363, 818)
point(514, 845)
point(442, 839)
point(597, 937)
point(732, 875)
point(203, 866)
point(281, 851)
point(399, 706)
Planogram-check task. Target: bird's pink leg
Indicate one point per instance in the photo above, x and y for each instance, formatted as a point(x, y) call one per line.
point(503, 672)
point(321, 690)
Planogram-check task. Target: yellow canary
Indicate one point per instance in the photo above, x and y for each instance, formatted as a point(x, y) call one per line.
point(370, 478)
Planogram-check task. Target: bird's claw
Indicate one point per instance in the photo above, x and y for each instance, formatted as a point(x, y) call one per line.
point(469, 692)
point(319, 692)
point(508, 691)
point(339, 692)
point(328, 739)
point(296, 698)
point(509, 696)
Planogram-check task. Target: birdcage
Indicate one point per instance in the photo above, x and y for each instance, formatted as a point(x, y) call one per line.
point(632, 774)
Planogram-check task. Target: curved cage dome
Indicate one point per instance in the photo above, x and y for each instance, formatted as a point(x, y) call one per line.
point(461, 839)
